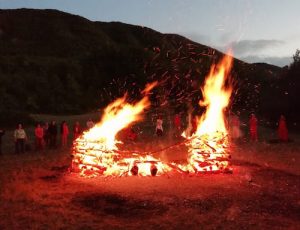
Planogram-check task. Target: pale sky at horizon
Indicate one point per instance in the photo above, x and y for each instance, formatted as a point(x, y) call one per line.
point(257, 30)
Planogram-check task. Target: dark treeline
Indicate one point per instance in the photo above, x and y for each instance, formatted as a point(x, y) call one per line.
point(54, 62)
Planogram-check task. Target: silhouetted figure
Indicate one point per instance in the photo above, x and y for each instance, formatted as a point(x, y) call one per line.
point(64, 134)
point(76, 130)
point(90, 124)
point(2, 132)
point(52, 135)
point(177, 124)
point(131, 135)
point(194, 125)
point(253, 128)
point(282, 129)
point(46, 134)
point(177, 121)
point(235, 127)
point(20, 137)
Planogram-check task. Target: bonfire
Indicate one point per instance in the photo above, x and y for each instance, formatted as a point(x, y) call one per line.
point(208, 146)
point(96, 151)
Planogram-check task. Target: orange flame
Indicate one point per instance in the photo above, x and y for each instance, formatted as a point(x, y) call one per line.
point(96, 151)
point(117, 116)
point(216, 98)
point(207, 146)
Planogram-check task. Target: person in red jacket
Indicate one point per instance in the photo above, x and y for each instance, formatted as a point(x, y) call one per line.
point(235, 127)
point(131, 135)
point(76, 130)
point(253, 128)
point(39, 137)
point(282, 129)
point(177, 124)
point(64, 134)
point(194, 124)
point(177, 121)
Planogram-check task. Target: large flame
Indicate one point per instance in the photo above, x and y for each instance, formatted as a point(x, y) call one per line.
point(117, 116)
point(216, 98)
point(96, 150)
point(208, 145)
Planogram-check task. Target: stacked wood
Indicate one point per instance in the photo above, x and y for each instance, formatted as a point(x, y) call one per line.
point(93, 157)
point(209, 153)
point(206, 154)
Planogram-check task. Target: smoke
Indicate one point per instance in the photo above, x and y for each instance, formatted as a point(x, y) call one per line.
point(252, 47)
point(278, 61)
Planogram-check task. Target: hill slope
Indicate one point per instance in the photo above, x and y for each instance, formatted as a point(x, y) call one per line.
point(54, 62)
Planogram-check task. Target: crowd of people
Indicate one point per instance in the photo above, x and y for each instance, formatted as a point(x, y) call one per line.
point(233, 126)
point(235, 133)
point(46, 135)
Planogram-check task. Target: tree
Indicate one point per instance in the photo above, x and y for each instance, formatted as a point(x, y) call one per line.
point(293, 86)
point(296, 59)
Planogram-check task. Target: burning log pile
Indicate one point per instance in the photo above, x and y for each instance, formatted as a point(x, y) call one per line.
point(208, 153)
point(96, 151)
point(208, 145)
point(93, 158)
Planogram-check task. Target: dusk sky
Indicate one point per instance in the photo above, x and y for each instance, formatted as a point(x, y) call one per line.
point(257, 30)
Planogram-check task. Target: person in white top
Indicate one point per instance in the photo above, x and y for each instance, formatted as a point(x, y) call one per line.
point(159, 127)
point(20, 137)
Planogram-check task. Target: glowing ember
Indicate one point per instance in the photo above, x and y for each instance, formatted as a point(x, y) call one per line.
point(95, 152)
point(208, 145)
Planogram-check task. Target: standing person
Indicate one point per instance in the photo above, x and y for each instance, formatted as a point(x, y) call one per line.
point(64, 134)
point(159, 127)
point(194, 124)
point(282, 129)
point(46, 134)
point(39, 135)
point(20, 137)
point(131, 135)
point(177, 124)
point(52, 135)
point(253, 127)
point(235, 127)
point(89, 124)
point(188, 130)
point(76, 130)
point(2, 132)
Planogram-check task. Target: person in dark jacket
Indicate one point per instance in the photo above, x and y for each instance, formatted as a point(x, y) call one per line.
point(76, 130)
point(46, 134)
point(253, 127)
point(52, 130)
point(2, 132)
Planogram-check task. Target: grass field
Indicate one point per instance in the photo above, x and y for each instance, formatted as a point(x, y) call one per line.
point(38, 192)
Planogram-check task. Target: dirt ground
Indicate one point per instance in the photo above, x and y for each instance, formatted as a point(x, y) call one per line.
point(38, 192)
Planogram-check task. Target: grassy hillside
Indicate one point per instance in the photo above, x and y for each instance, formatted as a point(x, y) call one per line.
point(54, 62)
